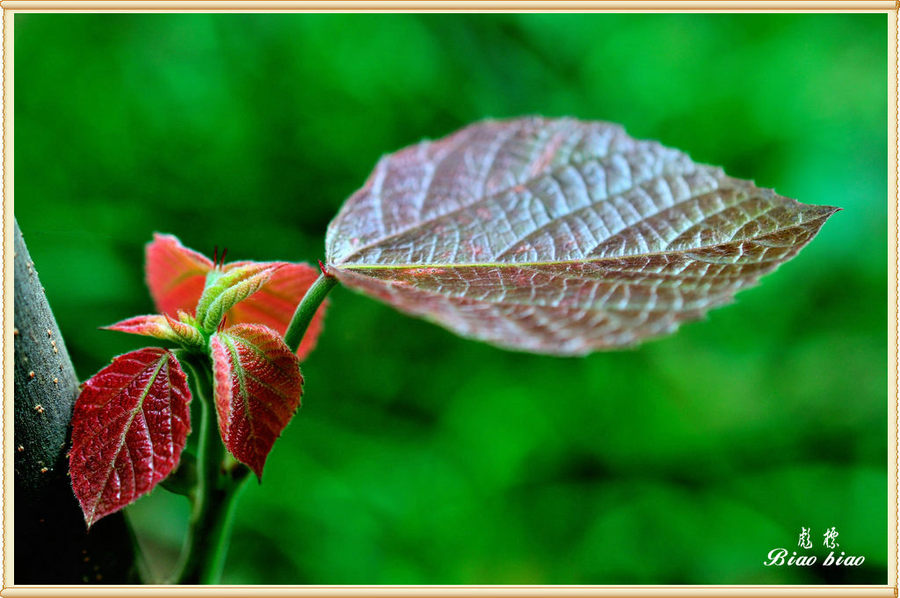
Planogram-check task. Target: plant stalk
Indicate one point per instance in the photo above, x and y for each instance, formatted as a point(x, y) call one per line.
point(214, 500)
point(306, 309)
point(215, 497)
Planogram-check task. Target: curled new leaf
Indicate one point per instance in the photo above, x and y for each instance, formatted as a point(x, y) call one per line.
point(559, 236)
point(185, 328)
point(176, 277)
point(230, 287)
point(257, 386)
point(129, 427)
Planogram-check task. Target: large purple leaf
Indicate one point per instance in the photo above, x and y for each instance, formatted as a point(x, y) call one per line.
point(559, 236)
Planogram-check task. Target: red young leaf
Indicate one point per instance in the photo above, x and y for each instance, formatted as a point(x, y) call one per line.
point(176, 276)
point(559, 236)
point(257, 386)
point(152, 325)
point(164, 327)
point(274, 304)
point(130, 425)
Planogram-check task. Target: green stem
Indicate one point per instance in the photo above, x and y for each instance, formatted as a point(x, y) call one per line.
point(206, 543)
point(307, 309)
point(214, 499)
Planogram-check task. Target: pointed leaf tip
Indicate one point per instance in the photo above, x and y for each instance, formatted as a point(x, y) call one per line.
point(129, 428)
point(162, 327)
point(258, 386)
point(559, 236)
point(149, 325)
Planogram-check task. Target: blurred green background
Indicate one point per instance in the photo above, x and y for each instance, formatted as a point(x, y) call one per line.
point(420, 457)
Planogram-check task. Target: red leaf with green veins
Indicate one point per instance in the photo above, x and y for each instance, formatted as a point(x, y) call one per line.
point(559, 236)
point(257, 386)
point(176, 277)
point(129, 427)
point(163, 327)
point(274, 304)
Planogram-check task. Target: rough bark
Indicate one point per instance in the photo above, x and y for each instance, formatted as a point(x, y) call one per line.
point(51, 542)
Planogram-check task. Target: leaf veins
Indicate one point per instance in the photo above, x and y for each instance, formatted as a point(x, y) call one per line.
point(129, 427)
point(257, 387)
point(559, 236)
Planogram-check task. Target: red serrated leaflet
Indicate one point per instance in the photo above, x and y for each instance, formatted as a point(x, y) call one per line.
point(130, 425)
point(274, 304)
point(257, 387)
point(176, 277)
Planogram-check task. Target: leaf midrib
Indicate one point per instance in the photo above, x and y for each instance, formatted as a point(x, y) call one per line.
point(231, 341)
point(591, 260)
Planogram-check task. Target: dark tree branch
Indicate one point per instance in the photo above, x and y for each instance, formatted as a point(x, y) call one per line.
point(51, 541)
